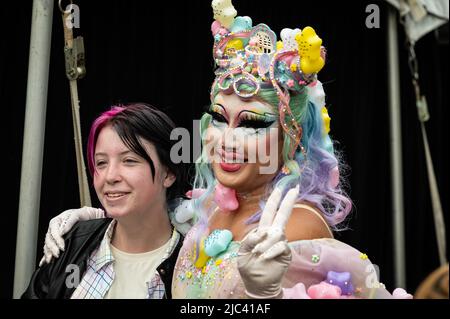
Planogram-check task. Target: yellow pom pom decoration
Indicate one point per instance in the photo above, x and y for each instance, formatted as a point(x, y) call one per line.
point(326, 119)
point(309, 45)
point(280, 45)
point(363, 256)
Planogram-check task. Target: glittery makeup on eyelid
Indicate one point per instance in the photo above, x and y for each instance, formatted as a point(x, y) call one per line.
point(218, 108)
point(256, 115)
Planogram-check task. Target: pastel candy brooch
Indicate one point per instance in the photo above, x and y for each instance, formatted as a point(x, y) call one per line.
point(342, 280)
point(217, 242)
point(336, 285)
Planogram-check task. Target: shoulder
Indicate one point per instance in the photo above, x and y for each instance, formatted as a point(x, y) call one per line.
point(49, 280)
point(306, 222)
point(88, 228)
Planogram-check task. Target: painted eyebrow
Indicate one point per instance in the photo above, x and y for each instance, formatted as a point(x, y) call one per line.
point(266, 114)
point(223, 108)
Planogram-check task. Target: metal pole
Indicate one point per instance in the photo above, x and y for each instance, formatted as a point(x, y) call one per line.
point(396, 150)
point(33, 143)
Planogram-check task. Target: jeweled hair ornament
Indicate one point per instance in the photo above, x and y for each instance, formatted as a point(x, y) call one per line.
point(251, 55)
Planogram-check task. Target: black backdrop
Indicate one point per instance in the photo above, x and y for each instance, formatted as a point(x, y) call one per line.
point(137, 51)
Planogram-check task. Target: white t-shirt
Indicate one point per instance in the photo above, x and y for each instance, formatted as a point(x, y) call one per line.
point(133, 271)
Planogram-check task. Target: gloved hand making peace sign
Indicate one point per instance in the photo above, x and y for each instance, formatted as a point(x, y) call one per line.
point(264, 255)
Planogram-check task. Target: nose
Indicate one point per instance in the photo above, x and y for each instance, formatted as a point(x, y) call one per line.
point(113, 174)
point(230, 141)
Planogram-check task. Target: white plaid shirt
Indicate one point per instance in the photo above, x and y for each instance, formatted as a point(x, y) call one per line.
point(99, 274)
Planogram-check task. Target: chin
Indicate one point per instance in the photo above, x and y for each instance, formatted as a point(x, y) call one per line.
point(115, 211)
point(240, 181)
point(245, 181)
point(231, 183)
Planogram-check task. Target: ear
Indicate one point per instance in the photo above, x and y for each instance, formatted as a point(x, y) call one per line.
point(169, 179)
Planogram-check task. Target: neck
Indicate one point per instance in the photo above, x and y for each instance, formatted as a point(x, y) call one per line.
point(141, 233)
point(235, 221)
point(249, 201)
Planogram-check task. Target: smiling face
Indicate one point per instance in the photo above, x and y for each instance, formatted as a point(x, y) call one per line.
point(124, 181)
point(243, 142)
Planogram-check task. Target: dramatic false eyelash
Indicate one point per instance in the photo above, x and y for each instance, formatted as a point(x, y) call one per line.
point(256, 124)
point(217, 116)
point(255, 121)
point(249, 121)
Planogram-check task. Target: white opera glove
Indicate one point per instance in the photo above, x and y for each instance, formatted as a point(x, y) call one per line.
point(60, 225)
point(264, 255)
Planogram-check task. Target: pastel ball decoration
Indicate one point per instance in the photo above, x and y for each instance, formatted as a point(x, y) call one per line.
point(225, 198)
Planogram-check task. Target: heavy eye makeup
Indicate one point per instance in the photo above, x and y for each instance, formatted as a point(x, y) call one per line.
point(252, 123)
point(250, 120)
point(255, 122)
point(247, 122)
point(218, 119)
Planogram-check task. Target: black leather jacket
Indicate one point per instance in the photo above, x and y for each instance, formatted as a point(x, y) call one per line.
point(49, 281)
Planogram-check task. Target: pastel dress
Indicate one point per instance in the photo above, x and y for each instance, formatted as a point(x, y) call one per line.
point(320, 268)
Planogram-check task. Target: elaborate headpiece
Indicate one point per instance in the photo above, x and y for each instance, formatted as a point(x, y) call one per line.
point(251, 55)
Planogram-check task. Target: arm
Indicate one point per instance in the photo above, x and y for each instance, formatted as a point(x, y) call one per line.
point(60, 225)
point(305, 224)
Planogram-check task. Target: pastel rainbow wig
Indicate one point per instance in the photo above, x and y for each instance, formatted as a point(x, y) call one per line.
point(251, 64)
